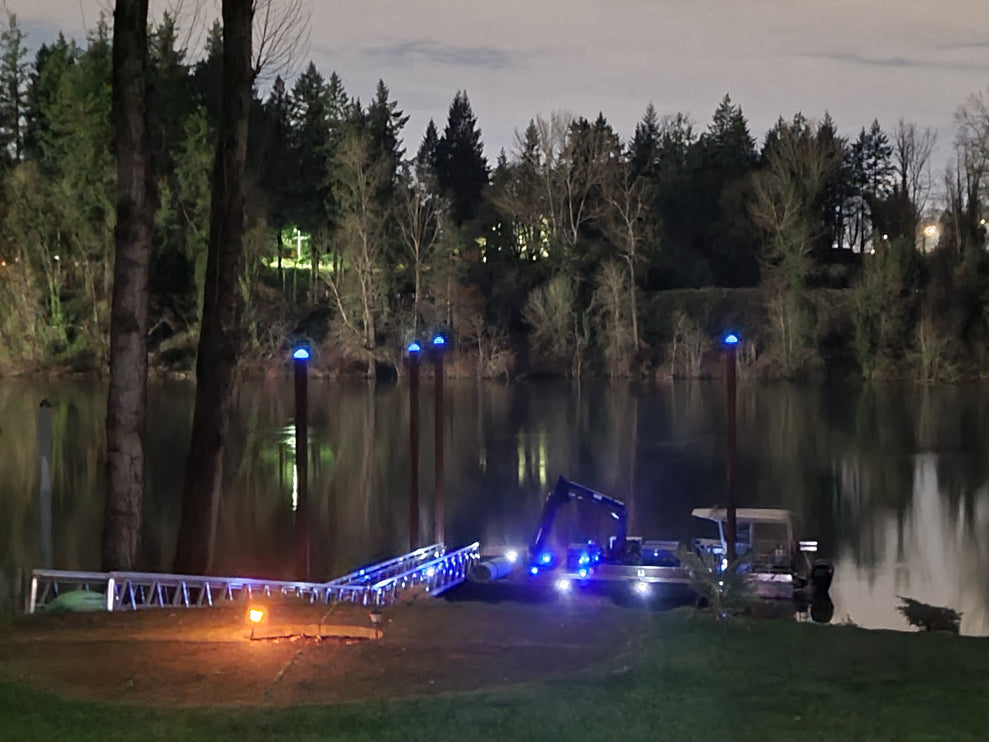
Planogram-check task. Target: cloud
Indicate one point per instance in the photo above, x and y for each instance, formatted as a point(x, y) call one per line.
point(899, 62)
point(965, 46)
point(440, 53)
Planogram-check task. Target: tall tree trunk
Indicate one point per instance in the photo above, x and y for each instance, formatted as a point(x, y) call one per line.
point(127, 399)
point(220, 336)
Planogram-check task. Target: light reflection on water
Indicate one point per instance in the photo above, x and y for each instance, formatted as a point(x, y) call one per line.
point(938, 554)
point(893, 483)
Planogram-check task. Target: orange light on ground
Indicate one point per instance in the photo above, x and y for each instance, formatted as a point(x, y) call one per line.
point(255, 615)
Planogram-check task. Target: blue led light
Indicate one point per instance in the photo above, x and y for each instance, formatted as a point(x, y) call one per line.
point(545, 558)
point(582, 573)
point(584, 559)
point(439, 341)
point(533, 570)
point(301, 354)
point(731, 339)
point(414, 347)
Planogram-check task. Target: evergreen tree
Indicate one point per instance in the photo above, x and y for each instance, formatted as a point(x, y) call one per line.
point(276, 158)
point(311, 119)
point(207, 77)
point(82, 177)
point(384, 123)
point(169, 104)
point(643, 150)
point(50, 64)
point(718, 231)
point(727, 143)
point(13, 88)
point(871, 175)
point(461, 167)
point(836, 188)
point(425, 162)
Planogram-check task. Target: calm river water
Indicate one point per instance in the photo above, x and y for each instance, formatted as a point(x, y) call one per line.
point(894, 482)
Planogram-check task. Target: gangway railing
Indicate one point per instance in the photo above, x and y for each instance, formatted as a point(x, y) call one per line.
point(431, 569)
point(433, 577)
point(398, 565)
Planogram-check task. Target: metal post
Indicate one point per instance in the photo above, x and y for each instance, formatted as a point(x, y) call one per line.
point(439, 344)
point(301, 356)
point(414, 350)
point(45, 482)
point(731, 344)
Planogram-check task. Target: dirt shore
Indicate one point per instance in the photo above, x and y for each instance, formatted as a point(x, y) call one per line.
point(205, 657)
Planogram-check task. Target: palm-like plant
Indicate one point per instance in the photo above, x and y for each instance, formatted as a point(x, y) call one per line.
point(725, 589)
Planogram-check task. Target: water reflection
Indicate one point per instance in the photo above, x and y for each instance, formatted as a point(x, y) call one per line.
point(893, 482)
point(936, 552)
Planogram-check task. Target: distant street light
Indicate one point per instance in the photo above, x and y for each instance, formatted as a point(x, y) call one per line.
point(730, 341)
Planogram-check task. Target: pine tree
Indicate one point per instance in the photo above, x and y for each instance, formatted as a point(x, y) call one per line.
point(311, 114)
point(384, 123)
point(644, 147)
point(727, 142)
point(50, 63)
point(425, 162)
point(461, 168)
point(13, 88)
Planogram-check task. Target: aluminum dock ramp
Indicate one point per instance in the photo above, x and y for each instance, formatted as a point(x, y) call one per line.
point(431, 569)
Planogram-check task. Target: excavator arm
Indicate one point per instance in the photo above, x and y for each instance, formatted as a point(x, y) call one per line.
point(564, 492)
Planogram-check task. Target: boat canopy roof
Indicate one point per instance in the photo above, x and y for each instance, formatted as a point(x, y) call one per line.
point(753, 515)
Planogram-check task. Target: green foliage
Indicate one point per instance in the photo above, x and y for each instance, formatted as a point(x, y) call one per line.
point(785, 206)
point(13, 89)
point(885, 304)
point(726, 592)
point(612, 310)
point(553, 317)
point(182, 224)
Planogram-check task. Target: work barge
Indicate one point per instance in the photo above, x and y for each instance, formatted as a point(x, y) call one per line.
point(770, 560)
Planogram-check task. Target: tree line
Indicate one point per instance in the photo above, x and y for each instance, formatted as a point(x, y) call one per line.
point(579, 250)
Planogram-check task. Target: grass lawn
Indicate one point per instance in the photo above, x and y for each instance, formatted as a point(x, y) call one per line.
point(688, 679)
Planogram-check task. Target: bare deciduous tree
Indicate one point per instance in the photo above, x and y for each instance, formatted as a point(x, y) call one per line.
point(357, 286)
point(785, 207)
point(281, 36)
point(420, 221)
point(611, 317)
point(627, 194)
point(912, 149)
